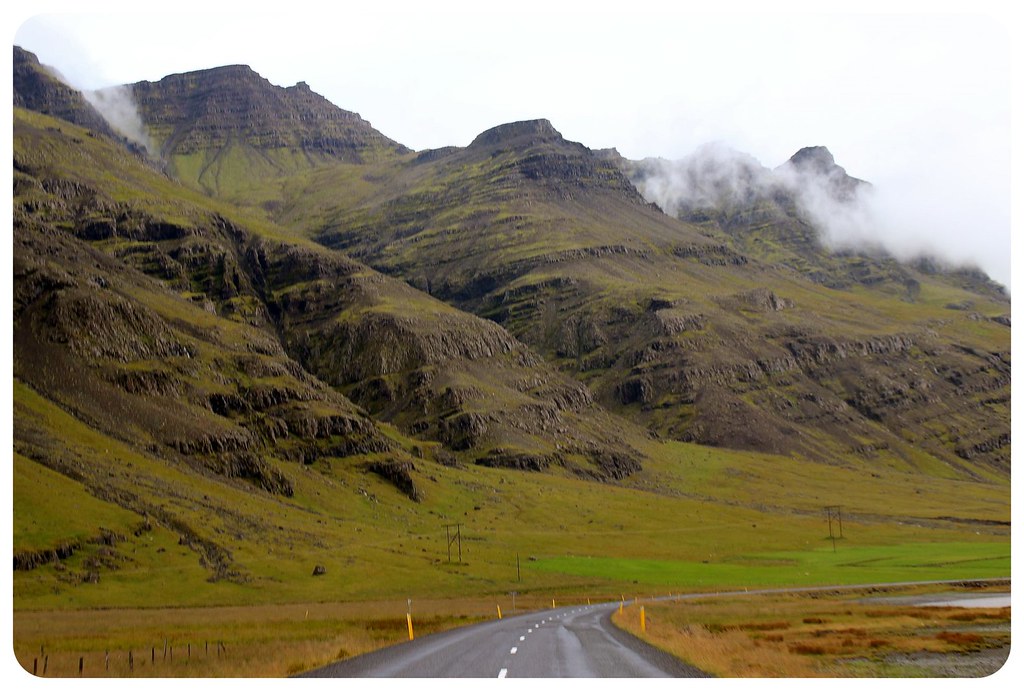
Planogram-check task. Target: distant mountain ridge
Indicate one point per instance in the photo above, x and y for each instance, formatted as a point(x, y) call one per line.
point(715, 327)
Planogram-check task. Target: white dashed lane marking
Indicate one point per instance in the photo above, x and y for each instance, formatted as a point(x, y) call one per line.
point(513, 651)
point(522, 638)
point(502, 673)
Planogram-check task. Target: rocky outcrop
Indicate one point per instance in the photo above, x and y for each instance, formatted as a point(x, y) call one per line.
point(463, 430)
point(381, 344)
point(28, 560)
point(757, 300)
point(252, 468)
point(102, 324)
point(514, 460)
point(228, 440)
point(399, 474)
point(711, 255)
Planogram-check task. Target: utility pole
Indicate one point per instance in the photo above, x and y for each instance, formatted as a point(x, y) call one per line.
point(836, 513)
point(456, 537)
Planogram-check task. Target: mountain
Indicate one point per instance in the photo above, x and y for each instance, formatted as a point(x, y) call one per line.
point(202, 341)
point(279, 329)
point(682, 326)
point(702, 329)
point(223, 129)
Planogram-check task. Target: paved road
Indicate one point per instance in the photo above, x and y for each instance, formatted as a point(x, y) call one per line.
point(565, 642)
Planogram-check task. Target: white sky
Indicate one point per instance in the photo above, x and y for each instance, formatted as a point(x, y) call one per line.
point(917, 103)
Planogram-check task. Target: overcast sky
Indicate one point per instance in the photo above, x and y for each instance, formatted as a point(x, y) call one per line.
point(917, 103)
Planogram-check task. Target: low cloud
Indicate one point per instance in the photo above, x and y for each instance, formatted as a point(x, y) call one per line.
point(907, 221)
point(117, 106)
point(714, 176)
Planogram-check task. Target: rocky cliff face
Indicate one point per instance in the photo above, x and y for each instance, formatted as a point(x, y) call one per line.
point(207, 110)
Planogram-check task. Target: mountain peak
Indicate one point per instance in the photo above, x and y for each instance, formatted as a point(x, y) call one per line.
point(211, 111)
point(816, 163)
point(528, 131)
point(816, 159)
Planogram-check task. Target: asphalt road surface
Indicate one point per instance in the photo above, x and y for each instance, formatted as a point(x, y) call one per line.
point(565, 642)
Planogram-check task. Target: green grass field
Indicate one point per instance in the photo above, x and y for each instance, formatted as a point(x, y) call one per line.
point(847, 565)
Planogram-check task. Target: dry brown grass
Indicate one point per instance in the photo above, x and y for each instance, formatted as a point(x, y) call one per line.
point(811, 636)
point(261, 641)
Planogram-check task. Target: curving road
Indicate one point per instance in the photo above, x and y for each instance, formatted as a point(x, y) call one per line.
point(565, 642)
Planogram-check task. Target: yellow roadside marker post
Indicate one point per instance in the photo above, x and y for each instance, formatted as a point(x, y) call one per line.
point(408, 618)
point(643, 621)
point(499, 611)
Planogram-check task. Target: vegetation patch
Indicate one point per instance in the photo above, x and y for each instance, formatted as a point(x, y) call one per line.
point(844, 636)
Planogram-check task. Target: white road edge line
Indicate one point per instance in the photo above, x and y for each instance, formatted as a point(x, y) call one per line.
point(502, 673)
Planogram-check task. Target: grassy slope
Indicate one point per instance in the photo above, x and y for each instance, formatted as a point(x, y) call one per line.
point(375, 543)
